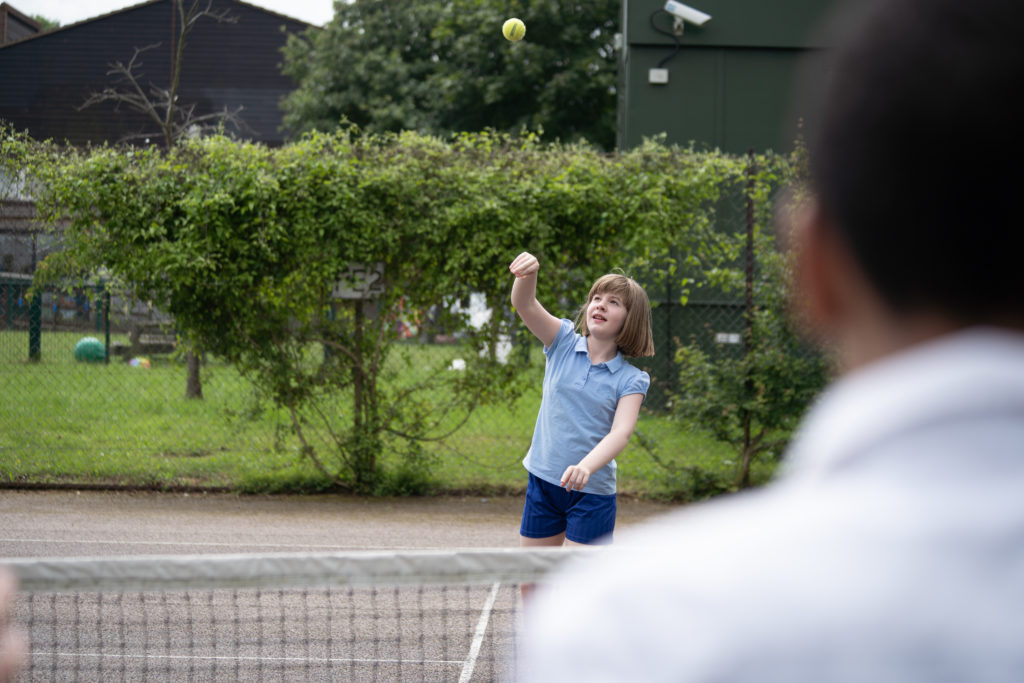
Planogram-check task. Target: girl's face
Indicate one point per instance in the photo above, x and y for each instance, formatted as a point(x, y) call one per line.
point(606, 314)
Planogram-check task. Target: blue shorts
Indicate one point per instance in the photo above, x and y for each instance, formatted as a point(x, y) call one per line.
point(550, 510)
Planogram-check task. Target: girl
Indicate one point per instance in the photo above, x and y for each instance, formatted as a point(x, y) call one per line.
point(589, 406)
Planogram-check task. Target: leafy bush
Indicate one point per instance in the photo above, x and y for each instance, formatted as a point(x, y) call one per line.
point(241, 244)
point(752, 400)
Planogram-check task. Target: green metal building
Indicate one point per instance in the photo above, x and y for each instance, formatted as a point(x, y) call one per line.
point(726, 83)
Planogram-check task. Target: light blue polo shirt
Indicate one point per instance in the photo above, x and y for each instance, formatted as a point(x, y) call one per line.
point(577, 408)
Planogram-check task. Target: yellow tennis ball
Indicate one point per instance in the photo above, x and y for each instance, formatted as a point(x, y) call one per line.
point(513, 29)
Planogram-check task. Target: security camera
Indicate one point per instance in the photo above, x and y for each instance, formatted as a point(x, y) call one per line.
point(686, 13)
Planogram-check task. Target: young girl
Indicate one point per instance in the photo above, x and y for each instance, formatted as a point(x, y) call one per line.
point(589, 406)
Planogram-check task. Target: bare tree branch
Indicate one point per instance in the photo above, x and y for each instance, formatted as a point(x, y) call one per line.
point(131, 92)
point(172, 119)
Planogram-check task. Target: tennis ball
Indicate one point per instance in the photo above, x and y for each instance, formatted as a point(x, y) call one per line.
point(513, 29)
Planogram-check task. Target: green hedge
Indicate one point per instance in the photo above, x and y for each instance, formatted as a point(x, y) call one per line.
point(240, 244)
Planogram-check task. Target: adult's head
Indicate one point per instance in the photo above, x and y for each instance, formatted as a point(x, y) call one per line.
point(916, 142)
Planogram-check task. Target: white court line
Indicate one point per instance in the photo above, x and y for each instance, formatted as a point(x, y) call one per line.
point(315, 660)
point(214, 544)
point(478, 637)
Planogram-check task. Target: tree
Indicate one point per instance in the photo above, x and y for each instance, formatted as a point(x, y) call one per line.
point(172, 120)
point(443, 67)
point(559, 80)
point(46, 23)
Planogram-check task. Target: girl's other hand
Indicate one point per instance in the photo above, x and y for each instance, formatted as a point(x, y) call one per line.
point(575, 477)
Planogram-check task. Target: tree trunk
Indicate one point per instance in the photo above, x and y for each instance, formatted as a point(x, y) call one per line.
point(193, 385)
point(364, 427)
point(743, 475)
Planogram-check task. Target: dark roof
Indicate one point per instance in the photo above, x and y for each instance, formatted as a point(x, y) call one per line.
point(48, 76)
point(40, 31)
point(16, 26)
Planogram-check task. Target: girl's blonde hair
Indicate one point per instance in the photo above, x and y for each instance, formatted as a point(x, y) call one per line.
point(635, 338)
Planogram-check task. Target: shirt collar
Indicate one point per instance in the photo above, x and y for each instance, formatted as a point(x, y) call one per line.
point(976, 371)
point(614, 365)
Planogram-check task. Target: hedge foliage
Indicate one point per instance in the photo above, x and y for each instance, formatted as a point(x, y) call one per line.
point(240, 244)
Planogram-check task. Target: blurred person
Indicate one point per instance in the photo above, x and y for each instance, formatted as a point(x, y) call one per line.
point(12, 643)
point(891, 547)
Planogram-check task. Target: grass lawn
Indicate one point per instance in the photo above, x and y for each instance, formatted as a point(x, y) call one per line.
point(66, 422)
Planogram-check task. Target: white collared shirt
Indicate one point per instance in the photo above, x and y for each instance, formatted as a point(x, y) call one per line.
point(891, 549)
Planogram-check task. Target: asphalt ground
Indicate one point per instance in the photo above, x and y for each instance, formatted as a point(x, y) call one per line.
point(106, 524)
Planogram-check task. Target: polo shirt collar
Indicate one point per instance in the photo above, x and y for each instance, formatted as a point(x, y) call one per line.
point(613, 365)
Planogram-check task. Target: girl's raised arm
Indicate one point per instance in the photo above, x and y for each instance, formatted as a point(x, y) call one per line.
point(524, 299)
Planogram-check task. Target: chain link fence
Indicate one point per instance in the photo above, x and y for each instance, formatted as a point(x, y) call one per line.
point(94, 389)
point(93, 378)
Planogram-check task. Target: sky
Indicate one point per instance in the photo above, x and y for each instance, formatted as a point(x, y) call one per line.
point(317, 12)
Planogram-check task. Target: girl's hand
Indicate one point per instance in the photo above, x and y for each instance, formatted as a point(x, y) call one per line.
point(575, 477)
point(524, 299)
point(524, 264)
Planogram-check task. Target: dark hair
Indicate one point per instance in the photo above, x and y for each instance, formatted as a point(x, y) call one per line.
point(915, 141)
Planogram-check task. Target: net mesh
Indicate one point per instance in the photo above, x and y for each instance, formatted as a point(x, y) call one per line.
point(426, 616)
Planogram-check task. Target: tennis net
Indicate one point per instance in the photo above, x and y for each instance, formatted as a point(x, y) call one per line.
point(370, 616)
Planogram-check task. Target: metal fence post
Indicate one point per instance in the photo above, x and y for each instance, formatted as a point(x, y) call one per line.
point(748, 300)
point(106, 323)
point(35, 327)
